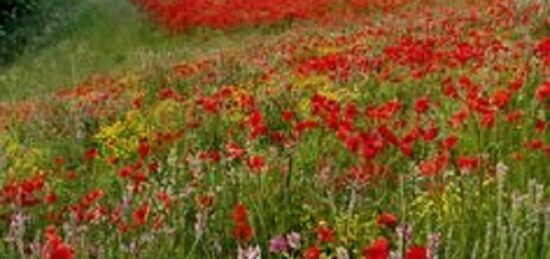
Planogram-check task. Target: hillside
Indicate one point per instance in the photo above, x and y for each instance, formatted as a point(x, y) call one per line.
point(412, 130)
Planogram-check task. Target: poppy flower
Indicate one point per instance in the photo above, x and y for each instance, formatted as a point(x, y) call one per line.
point(313, 252)
point(50, 198)
point(417, 252)
point(256, 163)
point(468, 163)
point(91, 154)
point(543, 91)
point(387, 219)
point(144, 149)
point(449, 142)
point(125, 172)
point(239, 213)
point(422, 105)
point(141, 215)
point(242, 232)
point(325, 234)
point(55, 247)
point(234, 151)
point(379, 249)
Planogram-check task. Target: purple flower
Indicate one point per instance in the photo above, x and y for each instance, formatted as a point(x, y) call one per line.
point(278, 245)
point(404, 232)
point(293, 240)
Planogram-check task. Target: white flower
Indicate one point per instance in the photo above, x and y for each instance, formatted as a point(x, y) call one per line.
point(250, 253)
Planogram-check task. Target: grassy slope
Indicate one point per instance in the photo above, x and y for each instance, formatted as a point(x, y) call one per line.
point(108, 36)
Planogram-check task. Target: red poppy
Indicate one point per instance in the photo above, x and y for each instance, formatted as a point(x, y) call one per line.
point(92, 196)
point(205, 201)
point(468, 163)
point(141, 215)
point(287, 115)
point(256, 163)
point(387, 219)
point(242, 231)
point(91, 154)
point(234, 151)
point(417, 252)
point(125, 172)
point(143, 148)
point(325, 234)
point(422, 105)
point(51, 198)
point(240, 213)
point(313, 252)
point(501, 98)
point(449, 142)
point(55, 248)
point(543, 91)
point(379, 249)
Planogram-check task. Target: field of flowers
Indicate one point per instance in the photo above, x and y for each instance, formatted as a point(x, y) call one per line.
point(419, 130)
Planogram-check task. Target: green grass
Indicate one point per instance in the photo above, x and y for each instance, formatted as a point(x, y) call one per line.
point(106, 37)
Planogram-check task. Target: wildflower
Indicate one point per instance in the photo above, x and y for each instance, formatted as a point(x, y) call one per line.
point(293, 240)
point(59, 161)
point(543, 91)
point(325, 234)
point(449, 142)
point(514, 116)
point(422, 105)
point(468, 163)
point(342, 253)
point(404, 232)
point(387, 219)
point(141, 215)
point(125, 172)
point(313, 252)
point(543, 50)
point(55, 248)
point(200, 223)
point(234, 151)
point(417, 252)
point(242, 232)
point(50, 198)
point(91, 154)
point(205, 201)
point(239, 213)
point(278, 245)
point(287, 115)
point(430, 134)
point(143, 148)
point(249, 253)
point(93, 196)
point(256, 163)
point(434, 241)
point(500, 98)
point(501, 168)
point(540, 126)
point(379, 249)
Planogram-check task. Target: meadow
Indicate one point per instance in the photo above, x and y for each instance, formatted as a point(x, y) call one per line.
point(281, 129)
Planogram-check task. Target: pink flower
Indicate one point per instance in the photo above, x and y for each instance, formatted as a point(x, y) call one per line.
point(278, 245)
